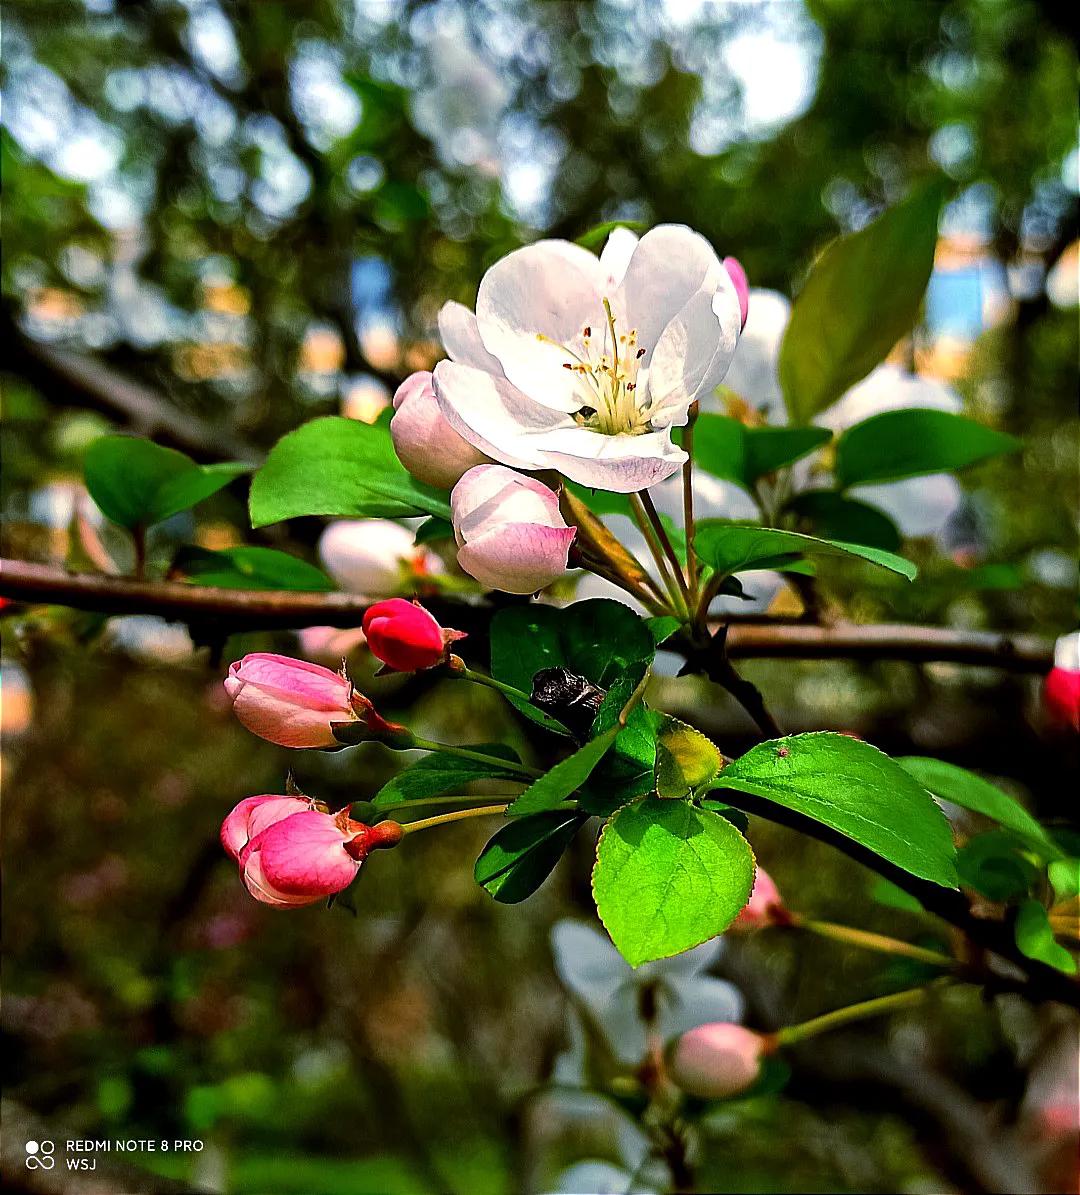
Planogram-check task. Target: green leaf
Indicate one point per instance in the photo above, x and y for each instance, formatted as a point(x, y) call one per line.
point(520, 857)
point(595, 237)
point(734, 452)
point(599, 639)
point(886, 893)
point(855, 789)
point(138, 483)
point(668, 877)
point(1035, 938)
point(250, 567)
point(566, 777)
point(341, 467)
point(861, 297)
point(685, 759)
point(969, 791)
point(627, 771)
point(910, 443)
point(738, 547)
point(602, 502)
point(662, 627)
point(437, 774)
point(995, 865)
point(837, 517)
point(432, 530)
point(1064, 875)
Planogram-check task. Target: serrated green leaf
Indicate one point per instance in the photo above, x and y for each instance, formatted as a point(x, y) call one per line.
point(969, 791)
point(340, 467)
point(855, 789)
point(1035, 938)
point(437, 774)
point(662, 627)
point(627, 771)
point(685, 759)
point(250, 567)
point(731, 451)
point(668, 877)
point(862, 295)
point(738, 547)
point(910, 443)
point(835, 516)
point(138, 483)
point(521, 855)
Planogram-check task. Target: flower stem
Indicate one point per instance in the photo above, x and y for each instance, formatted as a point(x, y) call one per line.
point(499, 686)
point(507, 765)
point(458, 800)
point(656, 548)
point(872, 941)
point(855, 1012)
point(665, 542)
point(442, 819)
point(689, 527)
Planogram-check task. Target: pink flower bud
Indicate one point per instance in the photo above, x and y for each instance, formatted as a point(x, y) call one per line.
point(717, 1060)
point(509, 531)
point(766, 906)
point(255, 814)
point(1061, 689)
point(405, 636)
point(742, 285)
point(375, 557)
point(425, 443)
point(295, 703)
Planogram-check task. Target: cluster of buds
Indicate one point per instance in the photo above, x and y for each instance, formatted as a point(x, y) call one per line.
point(291, 851)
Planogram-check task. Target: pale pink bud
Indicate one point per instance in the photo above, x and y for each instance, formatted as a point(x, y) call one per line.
point(717, 1060)
point(1061, 689)
point(509, 531)
point(766, 906)
point(330, 643)
point(255, 814)
point(425, 443)
point(295, 703)
point(741, 283)
point(375, 557)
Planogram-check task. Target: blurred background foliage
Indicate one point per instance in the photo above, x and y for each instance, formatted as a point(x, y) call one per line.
point(223, 218)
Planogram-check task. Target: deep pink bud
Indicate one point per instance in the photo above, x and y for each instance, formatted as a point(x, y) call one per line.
point(295, 703)
point(1061, 689)
point(717, 1060)
point(766, 906)
point(405, 636)
point(255, 814)
point(742, 285)
point(300, 859)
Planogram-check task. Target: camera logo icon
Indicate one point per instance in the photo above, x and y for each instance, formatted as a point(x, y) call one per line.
point(40, 1155)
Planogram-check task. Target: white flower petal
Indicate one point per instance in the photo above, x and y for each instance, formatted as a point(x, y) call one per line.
point(544, 293)
point(618, 250)
point(697, 1001)
point(587, 963)
point(888, 388)
point(461, 338)
point(621, 464)
point(693, 353)
point(670, 265)
point(494, 416)
point(754, 370)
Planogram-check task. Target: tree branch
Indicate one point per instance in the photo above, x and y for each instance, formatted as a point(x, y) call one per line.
point(268, 609)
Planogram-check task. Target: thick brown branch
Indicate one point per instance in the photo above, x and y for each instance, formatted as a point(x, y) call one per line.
point(255, 609)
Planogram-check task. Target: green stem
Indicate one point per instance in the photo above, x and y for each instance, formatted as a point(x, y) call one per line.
point(459, 800)
point(667, 545)
point(656, 548)
point(689, 527)
point(442, 819)
point(872, 941)
point(481, 678)
point(855, 1012)
point(507, 765)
